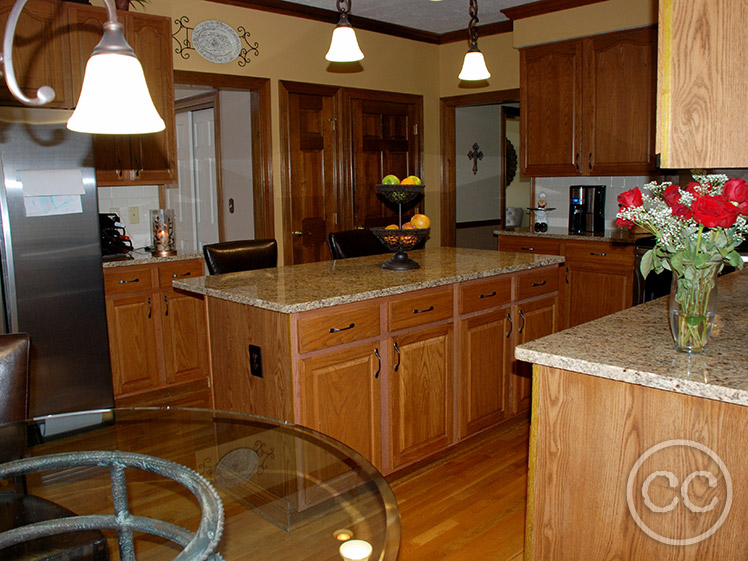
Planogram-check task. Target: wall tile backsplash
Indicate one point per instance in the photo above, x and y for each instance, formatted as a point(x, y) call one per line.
point(557, 195)
point(133, 204)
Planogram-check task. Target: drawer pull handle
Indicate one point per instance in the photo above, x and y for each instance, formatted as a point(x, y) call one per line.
point(429, 309)
point(379, 358)
point(150, 308)
point(599, 254)
point(522, 315)
point(397, 350)
point(166, 306)
point(488, 295)
point(539, 283)
point(511, 325)
point(128, 281)
point(337, 329)
point(527, 248)
point(178, 275)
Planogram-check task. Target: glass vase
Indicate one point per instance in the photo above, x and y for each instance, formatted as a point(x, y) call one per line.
point(693, 306)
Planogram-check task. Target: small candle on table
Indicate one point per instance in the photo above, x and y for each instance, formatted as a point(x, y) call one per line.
point(355, 550)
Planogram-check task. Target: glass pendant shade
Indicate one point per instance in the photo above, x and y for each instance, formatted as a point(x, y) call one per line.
point(344, 46)
point(474, 66)
point(114, 98)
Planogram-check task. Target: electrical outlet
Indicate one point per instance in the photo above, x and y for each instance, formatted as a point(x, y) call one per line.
point(255, 361)
point(134, 214)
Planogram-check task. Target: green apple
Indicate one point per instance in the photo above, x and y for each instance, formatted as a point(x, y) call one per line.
point(390, 180)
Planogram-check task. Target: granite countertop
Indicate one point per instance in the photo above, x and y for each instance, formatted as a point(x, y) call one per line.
point(311, 286)
point(617, 235)
point(142, 257)
point(635, 346)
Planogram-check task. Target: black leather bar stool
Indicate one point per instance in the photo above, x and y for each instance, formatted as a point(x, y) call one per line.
point(354, 243)
point(240, 255)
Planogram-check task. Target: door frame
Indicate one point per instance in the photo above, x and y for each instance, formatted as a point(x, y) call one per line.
point(448, 106)
point(262, 147)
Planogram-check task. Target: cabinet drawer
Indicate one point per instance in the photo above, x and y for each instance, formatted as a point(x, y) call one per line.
point(417, 308)
point(529, 244)
point(120, 280)
point(167, 272)
point(320, 331)
point(601, 254)
point(537, 282)
point(484, 294)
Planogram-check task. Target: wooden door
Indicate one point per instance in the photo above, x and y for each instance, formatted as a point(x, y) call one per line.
point(551, 102)
point(485, 363)
point(154, 156)
point(312, 157)
point(185, 336)
point(341, 395)
point(420, 394)
point(532, 320)
point(385, 138)
point(619, 91)
point(132, 342)
point(40, 52)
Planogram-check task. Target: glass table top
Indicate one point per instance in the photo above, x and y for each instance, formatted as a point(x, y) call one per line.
point(287, 492)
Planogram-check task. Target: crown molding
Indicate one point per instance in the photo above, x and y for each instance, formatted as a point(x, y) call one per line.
point(544, 7)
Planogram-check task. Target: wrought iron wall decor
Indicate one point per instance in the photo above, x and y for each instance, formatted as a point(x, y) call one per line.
point(475, 154)
point(184, 38)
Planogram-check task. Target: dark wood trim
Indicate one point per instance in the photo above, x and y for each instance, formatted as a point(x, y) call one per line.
point(448, 155)
point(285, 148)
point(544, 7)
point(262, 169)
point(478, 223)
point(204, 100)
point(483, 31)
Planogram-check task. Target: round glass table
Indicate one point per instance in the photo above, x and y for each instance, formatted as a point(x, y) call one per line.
point(246, 487)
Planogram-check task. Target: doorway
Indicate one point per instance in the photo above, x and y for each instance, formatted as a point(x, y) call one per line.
point(483, 195)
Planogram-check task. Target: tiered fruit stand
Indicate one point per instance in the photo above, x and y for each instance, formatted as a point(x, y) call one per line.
point(401, 239)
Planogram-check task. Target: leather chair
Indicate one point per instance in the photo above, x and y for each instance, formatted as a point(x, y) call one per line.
point(240, 255)
point(17, 507)
point(354, 243)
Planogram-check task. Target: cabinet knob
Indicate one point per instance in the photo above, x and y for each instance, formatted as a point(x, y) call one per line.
point(298, 233)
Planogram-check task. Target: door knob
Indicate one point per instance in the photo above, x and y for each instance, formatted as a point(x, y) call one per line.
point(298, 233)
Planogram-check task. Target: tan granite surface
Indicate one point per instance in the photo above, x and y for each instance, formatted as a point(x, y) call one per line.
point(635, 346)
point(140, 257)
point(618, 235)
point(310, 286)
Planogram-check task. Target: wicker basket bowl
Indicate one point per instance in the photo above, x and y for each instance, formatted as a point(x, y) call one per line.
point(401, 194)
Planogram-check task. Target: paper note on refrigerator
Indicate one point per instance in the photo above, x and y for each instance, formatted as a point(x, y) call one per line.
point(50, 192)
point(52, 205)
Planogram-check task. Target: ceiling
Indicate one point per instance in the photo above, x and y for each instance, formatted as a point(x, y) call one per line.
point(426, 15)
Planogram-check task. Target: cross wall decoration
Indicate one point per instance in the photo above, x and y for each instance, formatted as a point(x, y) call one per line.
point(475, 155)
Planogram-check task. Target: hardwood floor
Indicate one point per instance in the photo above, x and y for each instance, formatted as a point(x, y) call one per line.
point(469, 505)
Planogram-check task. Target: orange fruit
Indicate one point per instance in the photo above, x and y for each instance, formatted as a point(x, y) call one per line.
point(391, 227)
point(420, 221)
point(408, 226)
point(410, 180)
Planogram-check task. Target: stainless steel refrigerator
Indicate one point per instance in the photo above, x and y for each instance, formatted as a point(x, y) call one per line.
point(52, 278)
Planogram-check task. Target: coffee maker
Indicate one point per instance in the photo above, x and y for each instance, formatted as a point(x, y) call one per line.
point(586, 209)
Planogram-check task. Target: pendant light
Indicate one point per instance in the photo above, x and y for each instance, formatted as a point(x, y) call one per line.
point(474, 65)
point(344, 46)
point(114, 96)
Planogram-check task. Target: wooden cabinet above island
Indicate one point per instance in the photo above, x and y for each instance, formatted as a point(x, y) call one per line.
point(399, 365)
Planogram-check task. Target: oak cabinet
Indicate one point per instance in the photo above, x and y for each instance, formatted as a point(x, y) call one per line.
point(157, 336)
point(144, 159)
point(588, 105)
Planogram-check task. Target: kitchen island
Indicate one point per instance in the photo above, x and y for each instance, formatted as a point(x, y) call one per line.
point(636, 450)
point(398, 365)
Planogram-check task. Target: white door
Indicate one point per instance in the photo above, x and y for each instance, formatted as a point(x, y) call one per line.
point(182, 199)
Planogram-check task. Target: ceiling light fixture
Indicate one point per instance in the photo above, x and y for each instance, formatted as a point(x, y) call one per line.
point(474, 65)
point(344, 46)
point(114, 97)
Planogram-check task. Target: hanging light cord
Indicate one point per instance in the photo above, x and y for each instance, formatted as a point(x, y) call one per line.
point(472, 29)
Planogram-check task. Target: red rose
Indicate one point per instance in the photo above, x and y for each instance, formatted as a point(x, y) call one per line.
point(631, 198)
point(736, 190)
point(691, 188)
point(714, 211)
point(672, 196)
point(743, 208)
point(621, 222)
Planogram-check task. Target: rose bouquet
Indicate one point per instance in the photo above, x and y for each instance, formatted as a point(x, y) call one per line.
point(697, 229)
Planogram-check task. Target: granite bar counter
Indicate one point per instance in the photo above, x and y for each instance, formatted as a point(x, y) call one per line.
point(142, 257)
point(616, 235)
point(636, 443)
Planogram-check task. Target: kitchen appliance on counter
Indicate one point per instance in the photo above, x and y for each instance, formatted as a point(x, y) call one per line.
point(114, 240)
point(586, 209)
point(52, 278)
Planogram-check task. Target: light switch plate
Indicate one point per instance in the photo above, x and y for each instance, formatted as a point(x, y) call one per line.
point(134, 214)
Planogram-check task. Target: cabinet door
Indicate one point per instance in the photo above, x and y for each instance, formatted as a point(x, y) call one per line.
point(532, 320)
point(550, 97)
point(593, 293)
point(340, 396)
point(40, 52)
point(185, 336)
point(385, 141)
point(154, 156)
point(420, 394)
point(485, 362)
point(619, 105)
point(132, 342)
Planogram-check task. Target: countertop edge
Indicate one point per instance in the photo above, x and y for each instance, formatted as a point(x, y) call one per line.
point(148, 260)
point(358, 297)
point(611, 236)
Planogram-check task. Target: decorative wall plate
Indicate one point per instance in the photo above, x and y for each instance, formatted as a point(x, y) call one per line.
point(216, 41)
